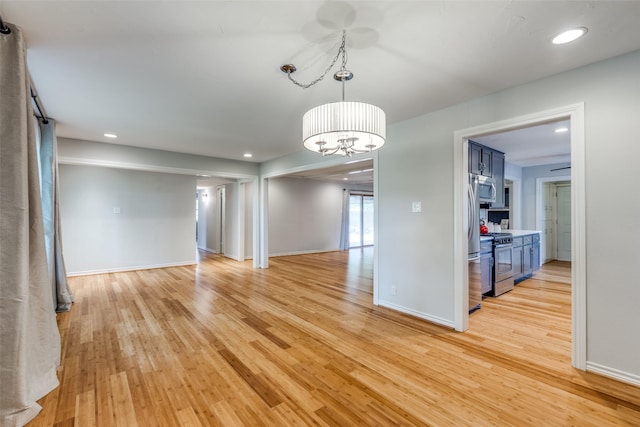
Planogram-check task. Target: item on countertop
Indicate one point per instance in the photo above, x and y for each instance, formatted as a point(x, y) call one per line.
point(484, 229)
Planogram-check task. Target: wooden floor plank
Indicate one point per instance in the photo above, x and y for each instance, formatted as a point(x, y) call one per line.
point(300, 343)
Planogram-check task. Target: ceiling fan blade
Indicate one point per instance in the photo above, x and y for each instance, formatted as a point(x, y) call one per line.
point(566, 167)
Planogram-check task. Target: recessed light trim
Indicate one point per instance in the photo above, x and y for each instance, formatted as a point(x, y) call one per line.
point(110, 135)
point(247, 155)
point(569, 35)
point(561, 130)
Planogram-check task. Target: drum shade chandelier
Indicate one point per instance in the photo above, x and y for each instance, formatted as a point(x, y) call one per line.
point(342, 127)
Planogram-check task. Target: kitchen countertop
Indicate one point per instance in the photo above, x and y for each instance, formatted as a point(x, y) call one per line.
point(519, 233)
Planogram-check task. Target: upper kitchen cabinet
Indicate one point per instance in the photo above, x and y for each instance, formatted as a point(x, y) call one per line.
point(488, 162)
point(480, 159)
point(497, 162)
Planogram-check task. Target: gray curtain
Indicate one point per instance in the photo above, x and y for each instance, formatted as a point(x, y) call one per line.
point(344, 230)
point(29, 337)
point(51, 214)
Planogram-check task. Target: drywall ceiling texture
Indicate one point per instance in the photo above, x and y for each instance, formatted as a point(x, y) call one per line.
point(204, 77)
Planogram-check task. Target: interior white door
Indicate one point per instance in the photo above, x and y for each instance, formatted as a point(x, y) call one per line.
point(548, 222)
point(563, 194)
point(221, 226)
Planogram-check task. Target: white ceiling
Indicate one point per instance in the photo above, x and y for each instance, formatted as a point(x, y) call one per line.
point(532, 146)
point(204, 77)
point(354, 172)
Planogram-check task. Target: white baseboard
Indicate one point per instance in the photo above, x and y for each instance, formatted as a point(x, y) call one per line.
point(425, 316)
point(211, 251)
point(132, 268)
point(304, 252)
point(616, 374)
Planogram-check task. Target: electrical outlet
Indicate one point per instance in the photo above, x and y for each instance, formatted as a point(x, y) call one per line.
point(416, 207)
point(116, 210)
point(394, 290)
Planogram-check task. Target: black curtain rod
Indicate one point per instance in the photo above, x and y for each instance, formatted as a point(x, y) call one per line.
point(3, 28)
point(34, 96)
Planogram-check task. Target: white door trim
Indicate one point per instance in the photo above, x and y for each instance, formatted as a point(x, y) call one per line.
point(575, 113)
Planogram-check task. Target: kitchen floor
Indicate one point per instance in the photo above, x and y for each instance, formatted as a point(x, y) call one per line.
point(533, 320)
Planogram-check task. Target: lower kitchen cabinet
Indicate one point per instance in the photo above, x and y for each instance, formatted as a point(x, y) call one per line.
point(486, 272)
point(517, 259)
point(535, 254)
point(526, 256)
point(486, 265)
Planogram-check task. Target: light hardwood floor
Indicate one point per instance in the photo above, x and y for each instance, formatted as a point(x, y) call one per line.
point(300, 343)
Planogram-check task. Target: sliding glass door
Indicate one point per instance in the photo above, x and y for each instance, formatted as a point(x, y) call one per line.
point(360, 220)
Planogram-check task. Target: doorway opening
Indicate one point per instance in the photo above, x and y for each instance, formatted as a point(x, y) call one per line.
point(226, 217)
point(575, 114)
point(553, 218)
point(361, 220)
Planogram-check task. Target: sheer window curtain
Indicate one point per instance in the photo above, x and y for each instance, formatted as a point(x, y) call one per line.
point(29, 337)
point(344, 230)
point(49, 186)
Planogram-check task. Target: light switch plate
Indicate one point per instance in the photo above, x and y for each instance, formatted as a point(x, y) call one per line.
point(416, 207)
point(116, 210)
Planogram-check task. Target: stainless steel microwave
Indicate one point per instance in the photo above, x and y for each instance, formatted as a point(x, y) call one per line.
point(486, 189)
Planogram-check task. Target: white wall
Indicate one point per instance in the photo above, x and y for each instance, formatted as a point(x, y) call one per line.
point(155, 226)
point(416, 164)
point(304, 215)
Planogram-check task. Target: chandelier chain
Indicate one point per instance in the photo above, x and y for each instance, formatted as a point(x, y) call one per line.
point(341, 51)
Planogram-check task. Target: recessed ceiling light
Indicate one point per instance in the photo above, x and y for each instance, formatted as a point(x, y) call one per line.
point(345, 179)
point(248, 155)
point(569, 36)
point(110, 135)
point(560, 130)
